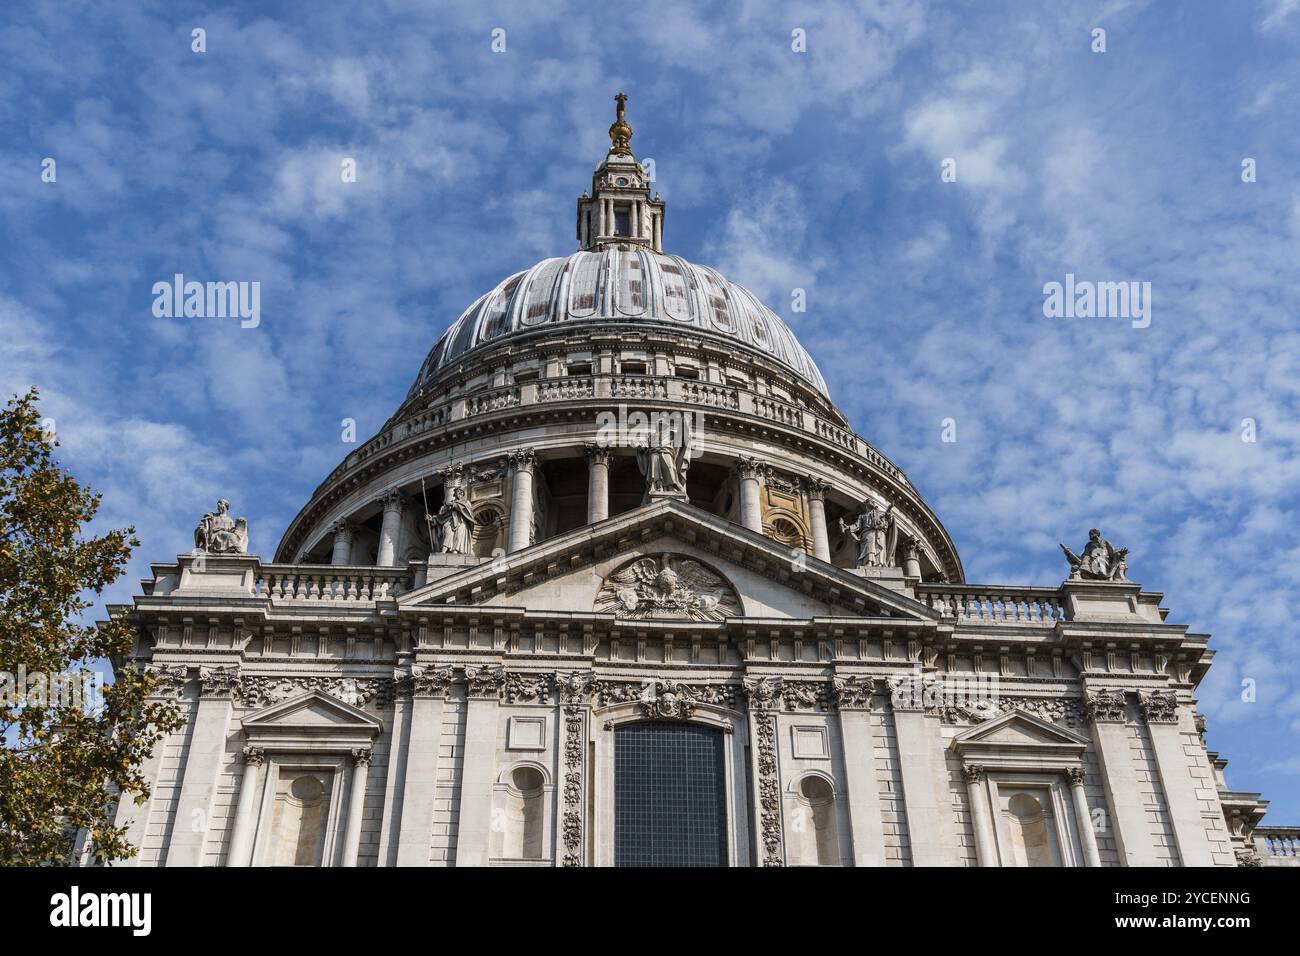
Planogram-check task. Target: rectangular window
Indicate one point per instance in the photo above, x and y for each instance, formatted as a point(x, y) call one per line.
point(633, 368)
point(622, 221)
point(580, 368)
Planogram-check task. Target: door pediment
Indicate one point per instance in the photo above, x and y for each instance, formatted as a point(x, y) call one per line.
point(314, 717)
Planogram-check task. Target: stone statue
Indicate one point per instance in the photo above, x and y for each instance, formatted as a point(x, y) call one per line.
point(876, 532)
point(663, 461)
point(218, 533)
point(454, 523)
point(1099, 561)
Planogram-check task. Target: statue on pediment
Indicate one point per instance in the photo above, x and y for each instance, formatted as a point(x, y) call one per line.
point(664, 460)
point(454, 523)
point(876, 532)
point(218, 533)
point(1100, 561)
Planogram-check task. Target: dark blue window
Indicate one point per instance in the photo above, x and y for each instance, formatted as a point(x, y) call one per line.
point(669, 796)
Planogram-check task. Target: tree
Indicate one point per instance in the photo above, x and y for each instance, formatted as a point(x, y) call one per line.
point(64, 750)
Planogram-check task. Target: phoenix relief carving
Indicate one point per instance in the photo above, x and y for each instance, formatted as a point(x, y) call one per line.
point(668, 587)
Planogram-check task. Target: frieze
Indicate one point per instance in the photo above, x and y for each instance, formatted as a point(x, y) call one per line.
point(763, 693)
point(527, 688)
point(804, 694)
point(664, 699)
point(1061, 710)
point(261, 691)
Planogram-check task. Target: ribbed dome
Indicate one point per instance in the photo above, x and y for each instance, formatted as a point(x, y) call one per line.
point(617, 287)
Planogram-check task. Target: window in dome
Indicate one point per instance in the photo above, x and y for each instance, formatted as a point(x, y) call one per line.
point(685, 371)
point(633, 368)
point(622, 221)
point(580, 368)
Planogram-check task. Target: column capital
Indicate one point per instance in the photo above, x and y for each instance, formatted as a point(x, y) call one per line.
point(751, 468)
point(393, 501)
point(763, 693)
point(1159, 707)
point(1106, 706)
point(598, 454)
point(1076, 776)
point(344, 528)
point(523, 460)
point(815, 488)
point(973, 773)
point(485, 681)
point(254, 756)
point(361, 756)
point(853, 693)
point(426, 682)
point(218, 681)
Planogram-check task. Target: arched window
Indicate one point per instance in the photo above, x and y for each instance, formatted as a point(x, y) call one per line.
point(669, 796)
point(816, 831)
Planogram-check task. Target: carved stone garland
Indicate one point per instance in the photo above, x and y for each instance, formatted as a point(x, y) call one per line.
point(764, 697)
point(573, 691)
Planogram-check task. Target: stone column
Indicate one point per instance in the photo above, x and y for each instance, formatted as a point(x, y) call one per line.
point(1161, 712)
point(344, 533)
point(911, 557)
point(522, 463)
point(981, 821)
point(1107, 712)
point(931, 827)
point(1082, 818)
point(356, 805)
point(815, 489)
point(474, 827)
point(751, 511)
point(391, 530)
point(193, 813)
point(597, 483)
point(428, 689)
point(241, 837)
point(867, 826)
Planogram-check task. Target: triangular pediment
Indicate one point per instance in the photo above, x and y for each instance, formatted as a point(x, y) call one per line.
point(736, 573)
point(313, 712)
point(1019, 732)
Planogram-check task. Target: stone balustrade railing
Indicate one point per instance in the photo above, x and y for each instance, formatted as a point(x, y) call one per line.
point(981, 604)
point(1278, 846)
point(621, 388)
point(305, 583)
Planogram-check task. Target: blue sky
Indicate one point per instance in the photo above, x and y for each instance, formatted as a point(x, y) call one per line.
point(818, 170)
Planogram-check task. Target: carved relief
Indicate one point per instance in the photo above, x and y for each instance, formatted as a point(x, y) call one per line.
point(764, 695)
point(660, 699)
point(425, 682)
point(527, 688)
point(172, 679)
point(219, 681)
point(573, 691)
point(1065, 710)
point(262, 691)
point(485, 681)
point(667, 587)
point(1106, 705)
point(853, 693)
point(1159, 707)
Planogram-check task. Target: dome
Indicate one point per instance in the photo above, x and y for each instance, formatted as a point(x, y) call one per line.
point(621, 287)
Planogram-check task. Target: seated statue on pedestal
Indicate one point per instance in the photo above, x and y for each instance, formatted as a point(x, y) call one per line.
point(218, 533)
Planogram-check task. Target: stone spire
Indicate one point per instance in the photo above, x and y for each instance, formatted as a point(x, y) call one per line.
point(619, 213)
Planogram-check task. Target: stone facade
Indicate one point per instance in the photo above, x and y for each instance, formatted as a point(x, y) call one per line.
point(437, 666)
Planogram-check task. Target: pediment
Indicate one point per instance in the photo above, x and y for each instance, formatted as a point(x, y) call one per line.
point(314, 713)
point(1019, 733)
point(737, 573)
